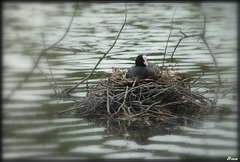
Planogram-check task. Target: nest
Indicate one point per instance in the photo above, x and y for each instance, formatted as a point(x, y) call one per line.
point(169, 95)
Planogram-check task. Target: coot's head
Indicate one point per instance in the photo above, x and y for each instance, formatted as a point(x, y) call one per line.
point(141, 60)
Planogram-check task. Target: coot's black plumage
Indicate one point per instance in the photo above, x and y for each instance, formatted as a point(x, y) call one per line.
point(143, 69)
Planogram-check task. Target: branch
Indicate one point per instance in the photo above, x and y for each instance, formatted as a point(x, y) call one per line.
point(124, 101)
point(39, 57)
point(100, 59)
point(234, 86)
point(213, 57)
point(184, 37)
point(46, 55)
point(168, 37)
point(202, 36)
point(205, 42)
point(108, 104)
point(198, 78)
point(53, 86)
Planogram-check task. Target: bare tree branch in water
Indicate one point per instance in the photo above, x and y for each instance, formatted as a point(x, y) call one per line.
point(53, 86)
point(213, 57)
point(194, 82)
point(46, 77)
point(202, 36)
point(169, 37)
point(67, 91)
point(184, 37)
point(27, 76)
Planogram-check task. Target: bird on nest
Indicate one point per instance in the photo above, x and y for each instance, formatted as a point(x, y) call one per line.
point(143, 69)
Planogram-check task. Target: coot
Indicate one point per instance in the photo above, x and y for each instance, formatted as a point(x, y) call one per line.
point(143, 69)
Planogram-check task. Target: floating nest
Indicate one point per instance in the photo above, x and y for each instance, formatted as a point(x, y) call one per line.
point(168, 96)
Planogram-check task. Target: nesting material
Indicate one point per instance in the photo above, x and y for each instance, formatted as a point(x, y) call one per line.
point(168, 96)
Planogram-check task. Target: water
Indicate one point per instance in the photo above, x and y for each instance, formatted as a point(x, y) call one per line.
point(31, 128)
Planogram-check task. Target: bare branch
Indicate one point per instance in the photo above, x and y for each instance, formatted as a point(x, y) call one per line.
point(108, 105)
point(213, 57)
point(194, 82)
point(168, 37)
point(47, 79)
point(183, 33)
point(177, 46)
point(39, 57)
point(155, 103)
point(184, 37)
point(101, 58)
point(229, 90)
point(201, 35)
point(53, 86)
point(124, 101)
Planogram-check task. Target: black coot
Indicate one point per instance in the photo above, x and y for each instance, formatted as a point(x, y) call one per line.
point(143, 69)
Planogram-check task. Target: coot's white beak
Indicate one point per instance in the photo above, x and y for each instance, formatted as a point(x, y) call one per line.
point(145, 60)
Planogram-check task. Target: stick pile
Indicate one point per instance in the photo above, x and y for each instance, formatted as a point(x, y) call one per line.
point(168, 96)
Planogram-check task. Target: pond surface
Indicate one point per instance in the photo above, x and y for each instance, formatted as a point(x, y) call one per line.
point(31, 128)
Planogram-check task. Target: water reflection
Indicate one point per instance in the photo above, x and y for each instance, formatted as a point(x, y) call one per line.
point(140, 131)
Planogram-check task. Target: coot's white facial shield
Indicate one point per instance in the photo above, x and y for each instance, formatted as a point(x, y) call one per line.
point(145, 60)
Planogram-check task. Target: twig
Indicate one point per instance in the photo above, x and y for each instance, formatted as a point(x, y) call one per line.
point(134, 82)
point(153, 105)
point(64, 111)
point(39, 57)
point(168, 37)
point(55, 83)
point(229, 90)
point(53, 87)
point(124, 100)
point(87, 87)
point(43, 39)
point(201, 35)
point(213, 57)
point(163, 90)
point(101, 58)
point(46, 78)
point(20, 40)
point(205, 42)
point(160, 113)
point(108, 107)
point(184, 37)
point(198, 78)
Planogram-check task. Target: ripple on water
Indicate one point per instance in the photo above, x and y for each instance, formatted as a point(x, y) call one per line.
point(194, 140)
point(93, 149)
point(83, 139)
point(83, 131)
point(133, 155)
point(25, 154)
point(48, 127)
point(232, 134)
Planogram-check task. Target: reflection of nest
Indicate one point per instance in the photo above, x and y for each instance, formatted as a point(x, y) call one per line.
point(135, 128)
point(117, 96)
